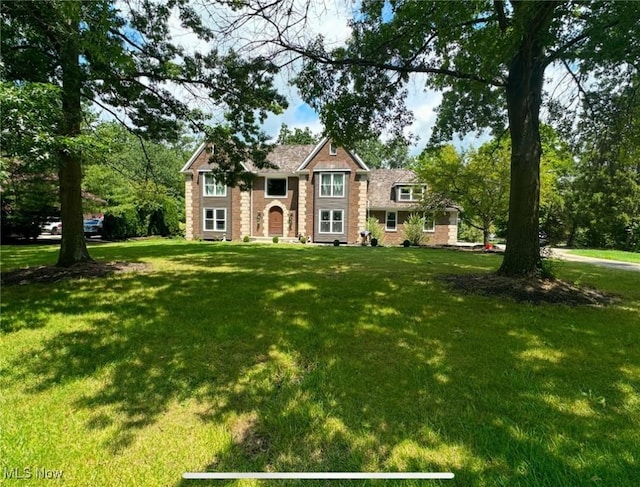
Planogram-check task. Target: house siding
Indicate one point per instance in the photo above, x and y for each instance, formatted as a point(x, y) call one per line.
point(445, 233)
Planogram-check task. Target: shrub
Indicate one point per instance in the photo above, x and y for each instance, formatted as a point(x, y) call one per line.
point(121, 222)
point(406, 243)
point(336, 243)
point(375, 229)
point(374, 242)
point(303, 239)
point(276, 239)
point(414, 229)
point(245, 239)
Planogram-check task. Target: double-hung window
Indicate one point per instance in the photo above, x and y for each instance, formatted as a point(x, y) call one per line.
point(429, 222)
point(211, 187)
point(391, 221)
point(331, 221)
point(215, 219)
point(410, 193)
point(332, 185)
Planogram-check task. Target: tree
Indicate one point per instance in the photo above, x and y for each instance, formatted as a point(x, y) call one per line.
point(119, 56)
point(488, 57)
point(478, 181)
point(297, 136)
point(30, 113)
point(378, 154)
point(606, 188)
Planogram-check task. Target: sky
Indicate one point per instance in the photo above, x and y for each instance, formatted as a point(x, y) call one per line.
point(330, 19)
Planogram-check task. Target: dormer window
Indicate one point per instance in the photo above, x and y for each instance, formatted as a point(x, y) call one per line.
point(410, 193)
point(333, 149)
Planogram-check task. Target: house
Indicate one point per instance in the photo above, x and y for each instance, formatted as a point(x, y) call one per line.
point(324, 192)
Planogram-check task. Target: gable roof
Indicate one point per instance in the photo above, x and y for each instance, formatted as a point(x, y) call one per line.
point(317, 149)
point(286, 158)
point(187, 167)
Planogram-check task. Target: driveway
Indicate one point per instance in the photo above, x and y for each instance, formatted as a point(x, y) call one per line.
point(565, 254)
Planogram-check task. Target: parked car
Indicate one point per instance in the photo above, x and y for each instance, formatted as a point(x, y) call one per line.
point(543, 237)
point(92, 227)
point(54, 227)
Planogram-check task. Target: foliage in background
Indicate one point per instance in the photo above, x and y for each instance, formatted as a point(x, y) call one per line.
point(297, 136)
point(378, 154)
point(28, 169)
point(477, 181)
point(607, 187)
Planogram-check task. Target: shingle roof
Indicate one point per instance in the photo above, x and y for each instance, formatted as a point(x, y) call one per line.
point(286, 158)
point(381, 183)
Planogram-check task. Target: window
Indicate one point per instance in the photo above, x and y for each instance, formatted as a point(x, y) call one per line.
point(276, 188)
point(211, 187)
point(333, 149)
point(215, 219)
point(429, 222)
point(410, 193)
point(332, 185)
point(391, 221)
point(331, 221)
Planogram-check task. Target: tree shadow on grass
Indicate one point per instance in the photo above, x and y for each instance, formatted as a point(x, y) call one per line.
point(321, 361)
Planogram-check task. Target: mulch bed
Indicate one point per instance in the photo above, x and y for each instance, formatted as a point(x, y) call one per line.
point(535, 290)
point(48, 273)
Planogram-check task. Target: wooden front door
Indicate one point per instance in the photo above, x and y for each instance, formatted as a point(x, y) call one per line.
point(275, 221)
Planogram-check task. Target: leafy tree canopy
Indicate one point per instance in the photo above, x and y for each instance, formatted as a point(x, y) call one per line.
point(119, 56)
point(297, 136)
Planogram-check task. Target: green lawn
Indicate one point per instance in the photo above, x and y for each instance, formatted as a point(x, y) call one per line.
point(232, 357)
point(609, 254)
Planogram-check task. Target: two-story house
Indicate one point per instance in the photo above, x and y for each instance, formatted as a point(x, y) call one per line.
point(323, 192)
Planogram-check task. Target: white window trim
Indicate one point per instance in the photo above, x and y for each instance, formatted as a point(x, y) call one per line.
point(204, 219)
point(333, 149)
point(331, 221)
point(266, 188)
point(204, 187)
point(331, 186)
point(433, 222)
point(386, 219)
point(414, 195)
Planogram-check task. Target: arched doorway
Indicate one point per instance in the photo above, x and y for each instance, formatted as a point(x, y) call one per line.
point(276, 221)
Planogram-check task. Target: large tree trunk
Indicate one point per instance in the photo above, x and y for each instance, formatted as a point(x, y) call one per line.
point(524, 95)
point(73, 248)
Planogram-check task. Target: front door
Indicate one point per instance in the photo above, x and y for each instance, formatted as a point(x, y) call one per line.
point(275, 221)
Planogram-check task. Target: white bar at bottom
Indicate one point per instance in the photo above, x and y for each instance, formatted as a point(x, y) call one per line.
point(316, 475)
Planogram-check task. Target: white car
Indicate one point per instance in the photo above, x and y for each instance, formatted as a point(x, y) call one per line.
point(53, 227)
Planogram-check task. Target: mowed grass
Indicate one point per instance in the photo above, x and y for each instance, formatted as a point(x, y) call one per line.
point(620, 255)
point(231, 357)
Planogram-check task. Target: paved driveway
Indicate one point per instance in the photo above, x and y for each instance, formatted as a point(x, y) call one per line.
point(613, 264)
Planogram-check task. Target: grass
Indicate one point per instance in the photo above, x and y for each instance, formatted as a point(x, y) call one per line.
point(633, 257)
point(232, 357)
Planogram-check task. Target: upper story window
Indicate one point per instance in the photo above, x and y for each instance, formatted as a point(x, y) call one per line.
point(333, 149)
point(211, 187)
point(332, 185)
point(276, 187)
point(410, 193)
